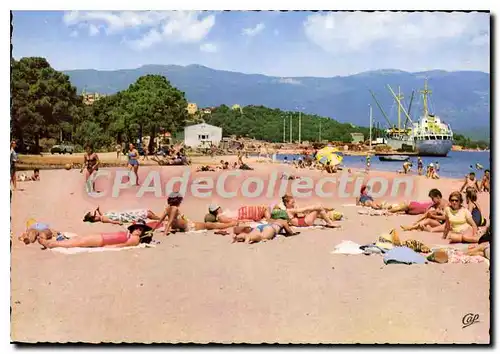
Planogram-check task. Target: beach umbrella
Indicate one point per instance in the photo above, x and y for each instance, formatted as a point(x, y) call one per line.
point(328, 154)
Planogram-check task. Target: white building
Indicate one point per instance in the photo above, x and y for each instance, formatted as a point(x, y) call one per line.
point(202, 135)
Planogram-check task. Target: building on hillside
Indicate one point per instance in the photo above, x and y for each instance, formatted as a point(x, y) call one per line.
point(192, 108)
point(206, 110)
point(235, 107)
point(202, 135)
point(90, 98)
point(357, 138)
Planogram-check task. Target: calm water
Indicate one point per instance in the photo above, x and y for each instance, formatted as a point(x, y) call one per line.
point(455, 165)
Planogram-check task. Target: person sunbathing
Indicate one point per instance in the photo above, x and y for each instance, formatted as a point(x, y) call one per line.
point(304, 217)
point(485, 182)
point(411, 207)
point(433, 219)
point(34, 177)
point(177, 221)
point(366, 200)
point(206, 168)
point(459, 226)
point(137, 233)
point(119, 217)
point(262, 232)
point(215, 215)
point(470, 181)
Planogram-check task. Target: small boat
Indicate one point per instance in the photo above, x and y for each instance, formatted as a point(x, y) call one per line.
point(394, 158)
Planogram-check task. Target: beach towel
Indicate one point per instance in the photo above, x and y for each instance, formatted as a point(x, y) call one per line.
point(76, 250)
point(456, 256)
point(347, 247)
point(251, 213)
point(403, 255)
point(372, 212)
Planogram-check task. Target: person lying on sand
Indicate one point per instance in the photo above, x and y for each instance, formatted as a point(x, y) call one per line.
point(304, 217)
point(34, 177)
point(433, 220)
point(411, 207)
point(485, 182)
point(120, 217)
point(177, 221)
point(470, 181)
point(262, 232)
point(366, 200)
point(207, 168)
point(459, 226)
point(215, 215)
point(137, 233)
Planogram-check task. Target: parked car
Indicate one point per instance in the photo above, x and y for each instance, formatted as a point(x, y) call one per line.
point(62, 149)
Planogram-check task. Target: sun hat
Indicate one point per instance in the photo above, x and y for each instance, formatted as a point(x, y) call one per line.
point(213, 208)
point(139, 224)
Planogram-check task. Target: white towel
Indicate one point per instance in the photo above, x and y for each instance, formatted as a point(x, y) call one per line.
point(347, 247)
point(76, 250)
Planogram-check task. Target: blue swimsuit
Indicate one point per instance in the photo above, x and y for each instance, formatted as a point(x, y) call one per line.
point(131, 161)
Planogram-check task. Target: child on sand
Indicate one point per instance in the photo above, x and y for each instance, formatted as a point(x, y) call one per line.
point(470, 181)
point(365, 199)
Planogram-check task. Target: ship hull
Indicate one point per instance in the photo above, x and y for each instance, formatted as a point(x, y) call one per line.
point(433, 147)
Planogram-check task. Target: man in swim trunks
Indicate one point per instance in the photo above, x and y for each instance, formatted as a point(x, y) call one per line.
point(434, 218)
point(304, 217)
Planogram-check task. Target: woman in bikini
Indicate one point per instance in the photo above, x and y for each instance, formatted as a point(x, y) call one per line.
point(473, 207)
point(90, 164)
point(178, 221)
point(304, 217)
point(137, 233)
point(120, 217)
point(262, 232)
point(459, 225)
point(133, 161)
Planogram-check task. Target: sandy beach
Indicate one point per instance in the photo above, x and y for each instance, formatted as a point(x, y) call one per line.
point(202, 288)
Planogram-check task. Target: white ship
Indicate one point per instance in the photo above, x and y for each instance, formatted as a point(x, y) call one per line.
point(429, 136)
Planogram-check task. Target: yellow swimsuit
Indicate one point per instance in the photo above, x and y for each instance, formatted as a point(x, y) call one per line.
point(458, 219)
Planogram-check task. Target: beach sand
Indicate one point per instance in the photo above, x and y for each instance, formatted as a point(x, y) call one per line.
point(202, 288)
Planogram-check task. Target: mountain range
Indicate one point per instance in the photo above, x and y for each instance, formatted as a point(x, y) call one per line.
point(460, 98)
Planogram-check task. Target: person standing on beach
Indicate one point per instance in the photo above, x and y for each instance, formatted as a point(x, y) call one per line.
point(118, 148)
point(368, 163)
point(13, 161)
point(133, 162)
point(90, 164)
point(485, 182)
point(420, 166)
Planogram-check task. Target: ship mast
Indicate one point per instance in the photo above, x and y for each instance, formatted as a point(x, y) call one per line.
point(424, 93)
point(400, 97)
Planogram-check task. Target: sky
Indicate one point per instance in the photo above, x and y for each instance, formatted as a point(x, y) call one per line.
point(285, 44)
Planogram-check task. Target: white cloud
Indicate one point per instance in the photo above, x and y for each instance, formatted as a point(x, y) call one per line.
point(208, 48)
point(93, 30)
point(253, 31)
point(356, 31)
point(172, 26)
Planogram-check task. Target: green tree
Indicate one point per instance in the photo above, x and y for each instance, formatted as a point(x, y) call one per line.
point(152, 103)
point(42, 100)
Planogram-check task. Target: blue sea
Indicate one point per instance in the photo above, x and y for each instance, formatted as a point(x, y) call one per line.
point(455, 165)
